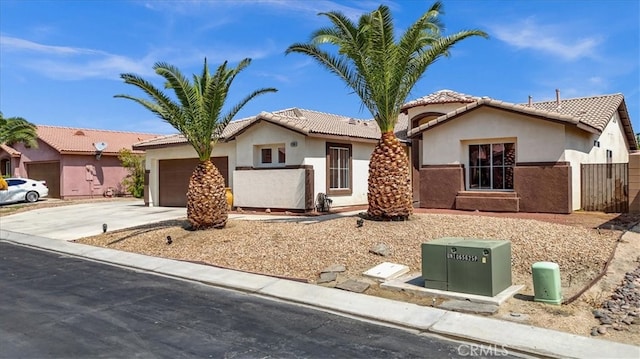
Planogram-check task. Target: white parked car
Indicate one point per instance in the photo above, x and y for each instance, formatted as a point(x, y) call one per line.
point(23, 189)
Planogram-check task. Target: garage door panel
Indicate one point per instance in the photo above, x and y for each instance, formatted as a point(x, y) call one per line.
point(174, 178)
point(49, 172)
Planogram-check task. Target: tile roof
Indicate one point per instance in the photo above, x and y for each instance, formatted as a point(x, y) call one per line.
point(591, 114)
point(439, 97)
point(307, 122)
point(10, 150)
point(81, 140)
point(594, 111)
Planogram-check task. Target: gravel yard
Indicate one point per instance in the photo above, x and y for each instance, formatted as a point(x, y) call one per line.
point(302, 250)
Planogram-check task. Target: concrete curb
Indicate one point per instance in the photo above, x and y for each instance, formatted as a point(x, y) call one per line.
point(497, 334)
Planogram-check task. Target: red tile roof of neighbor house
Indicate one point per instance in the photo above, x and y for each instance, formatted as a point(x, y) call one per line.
point(10, 150)
point(81, 140)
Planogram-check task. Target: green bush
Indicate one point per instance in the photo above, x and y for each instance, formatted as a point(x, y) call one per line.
point(134, 181)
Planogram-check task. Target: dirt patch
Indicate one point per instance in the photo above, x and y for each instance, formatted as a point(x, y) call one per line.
point(581, 243)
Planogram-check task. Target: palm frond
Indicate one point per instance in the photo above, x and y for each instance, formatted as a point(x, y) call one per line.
point(196, 112)
point(381, 70)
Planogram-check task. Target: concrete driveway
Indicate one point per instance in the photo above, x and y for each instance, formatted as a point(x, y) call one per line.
point(83, 220)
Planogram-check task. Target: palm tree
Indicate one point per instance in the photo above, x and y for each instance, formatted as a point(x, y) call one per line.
point(198, 115)
point(382, 72)
point(17, 129)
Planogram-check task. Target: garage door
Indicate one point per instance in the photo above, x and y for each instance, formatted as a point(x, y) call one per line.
point(174, 179)
point(50, 172)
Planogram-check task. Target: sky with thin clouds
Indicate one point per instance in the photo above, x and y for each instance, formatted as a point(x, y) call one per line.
point(60, 61)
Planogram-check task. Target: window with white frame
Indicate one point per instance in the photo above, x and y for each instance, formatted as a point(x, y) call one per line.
point(271, 155)
point(339, 169)
point(491, 166)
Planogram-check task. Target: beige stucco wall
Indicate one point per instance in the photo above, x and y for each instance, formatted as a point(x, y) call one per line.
point(581, 150)
point(361, 153)
point(277, 188)
point(536, 141)
point(153, 156)
point(263, 134)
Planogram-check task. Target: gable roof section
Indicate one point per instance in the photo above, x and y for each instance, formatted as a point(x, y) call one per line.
point(67, 140)
point(440, 97)
point(317, 124)
point(306, 122)
point(10, 150)
point(591, 114)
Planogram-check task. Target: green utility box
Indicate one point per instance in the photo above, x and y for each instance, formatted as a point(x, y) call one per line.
point(467, 265)
point(546, 282)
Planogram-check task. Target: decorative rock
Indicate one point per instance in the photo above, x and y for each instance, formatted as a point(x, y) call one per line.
point(605, 320)
point(380, 249)
point(353, 286)
point(602, 329)
point(598, 313)
point(327, 277)
point(268, 210)
point(594, 331)
point(627, 320)
point(339, 268)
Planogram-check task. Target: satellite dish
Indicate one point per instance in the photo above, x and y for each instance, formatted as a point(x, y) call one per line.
point(100, 146)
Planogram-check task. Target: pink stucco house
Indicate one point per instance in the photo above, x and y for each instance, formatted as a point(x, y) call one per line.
point(70, 160)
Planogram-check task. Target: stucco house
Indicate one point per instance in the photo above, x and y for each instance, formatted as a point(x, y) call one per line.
point(72, 160)
point(276, 160)
point(478, 153)
point(467, 152)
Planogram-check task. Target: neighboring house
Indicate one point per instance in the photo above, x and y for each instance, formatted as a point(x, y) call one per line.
point(279, 160)
point(70, 160)
point(489, 155)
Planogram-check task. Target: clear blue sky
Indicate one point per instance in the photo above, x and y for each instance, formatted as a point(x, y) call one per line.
point(60, 60)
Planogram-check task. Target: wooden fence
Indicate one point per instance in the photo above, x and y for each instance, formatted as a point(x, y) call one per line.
point(605, 187)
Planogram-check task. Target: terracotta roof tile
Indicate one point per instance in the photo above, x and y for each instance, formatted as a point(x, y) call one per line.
point(79, 140)
point(307, 122)
point(591, 114)
point(439, 97)
point(594, 111)
point(10, 150)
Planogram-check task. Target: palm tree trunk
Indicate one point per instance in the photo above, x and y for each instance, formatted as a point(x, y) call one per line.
point(206, 199)
point(390, 194)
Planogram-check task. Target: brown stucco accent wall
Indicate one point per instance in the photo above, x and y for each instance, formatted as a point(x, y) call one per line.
point(439, 185)
point(634, 182)
point(543, 186)
point(308, 189)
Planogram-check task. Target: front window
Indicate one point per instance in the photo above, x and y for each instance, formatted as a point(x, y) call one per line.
point(339, 169)
point(265, 155)
point(491, 166)
point(271, 155)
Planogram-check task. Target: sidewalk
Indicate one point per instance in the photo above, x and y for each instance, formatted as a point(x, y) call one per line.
point(494, 335)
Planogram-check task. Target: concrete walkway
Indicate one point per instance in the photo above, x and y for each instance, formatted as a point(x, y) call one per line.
point(494, 335)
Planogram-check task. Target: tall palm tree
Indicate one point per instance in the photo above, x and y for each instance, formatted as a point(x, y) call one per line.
point(382, 72)
point(17, 129)
point(198, 115)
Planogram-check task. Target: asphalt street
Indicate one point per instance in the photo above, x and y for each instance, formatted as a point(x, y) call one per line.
point(56, 306)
